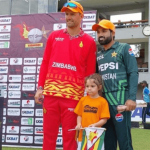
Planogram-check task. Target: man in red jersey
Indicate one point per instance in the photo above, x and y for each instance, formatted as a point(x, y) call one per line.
point(68, 58)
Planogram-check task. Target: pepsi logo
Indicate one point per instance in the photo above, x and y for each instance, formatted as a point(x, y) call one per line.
point(119, 117)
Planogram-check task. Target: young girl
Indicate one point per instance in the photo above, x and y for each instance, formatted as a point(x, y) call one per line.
point(92, 110)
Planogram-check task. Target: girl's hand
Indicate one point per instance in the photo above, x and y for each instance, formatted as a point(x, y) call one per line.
point(78, 127)
point(92, 125)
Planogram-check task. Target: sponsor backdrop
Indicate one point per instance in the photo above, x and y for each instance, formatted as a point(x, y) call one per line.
point(22, 42)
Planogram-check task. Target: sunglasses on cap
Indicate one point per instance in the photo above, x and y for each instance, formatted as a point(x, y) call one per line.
point(71, 5)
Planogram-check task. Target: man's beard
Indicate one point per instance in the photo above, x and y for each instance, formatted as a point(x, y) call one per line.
point(105, 41)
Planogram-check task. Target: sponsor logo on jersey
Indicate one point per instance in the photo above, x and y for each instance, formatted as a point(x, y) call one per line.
point(59, 39)
point(106, 66)
point(81, 44)
point(114, 54)
point(131, 52)
point(119, 117)
point(100, 57)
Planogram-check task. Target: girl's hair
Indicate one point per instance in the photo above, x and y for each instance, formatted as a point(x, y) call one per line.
point(97, 80)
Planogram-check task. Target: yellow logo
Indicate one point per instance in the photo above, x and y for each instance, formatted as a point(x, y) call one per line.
point(81, 44)
point(44, 110)
point(114, 54)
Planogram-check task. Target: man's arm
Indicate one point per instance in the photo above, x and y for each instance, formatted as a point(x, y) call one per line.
point(132, 75)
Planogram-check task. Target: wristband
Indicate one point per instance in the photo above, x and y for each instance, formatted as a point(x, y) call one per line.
point(39, 88)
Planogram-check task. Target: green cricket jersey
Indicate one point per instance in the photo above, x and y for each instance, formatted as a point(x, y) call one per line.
point(119, 71)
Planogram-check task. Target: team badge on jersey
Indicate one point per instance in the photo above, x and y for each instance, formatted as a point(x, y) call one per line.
point(119, 117)
point(131, 52)
point(81, 44)
point(114, 54)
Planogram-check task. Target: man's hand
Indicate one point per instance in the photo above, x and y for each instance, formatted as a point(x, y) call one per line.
point(38, 96)
point(131, 105)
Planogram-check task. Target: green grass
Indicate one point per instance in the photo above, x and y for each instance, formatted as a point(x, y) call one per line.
point(140, 139)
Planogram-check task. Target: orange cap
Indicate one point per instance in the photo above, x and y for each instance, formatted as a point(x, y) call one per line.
point(79, 7)
point(106, 24)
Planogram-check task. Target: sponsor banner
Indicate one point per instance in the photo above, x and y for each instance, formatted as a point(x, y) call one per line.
point(4, 111)
point(26, 130)
point(28, 87)
point(37, 79)
point(3, 78)
point(59, 141)
point(28, 78)
point(4, 36)
point(5, 28)
point(39, 121)
point(89, 17)
point(6, 20)
point(40, 61)
point(4, 45)
point(13, 103)
point(29, 61)
point(12, 129)
point(14, 86)
point(28, 95)
point(13, 121)
point(13, 112)
point(87, 26)
point(5, 94)
point(92, 34)
point(60, 131)
point(38, 69)
point(59, 26)
point(14, 78)
point(39, 112)
point(38, 130)
point(38, 139)
point(34, 45)
point(27, 112)
point(3, 129)
point(28, 103)
point(4, 120)
point(3, 61)
point(26, 139)
point(3, 69)
point(15, 61)
point(14, 94)
point(3, 86)
point(12, 138)
point(27, 121)
point(3, 138)
point(27, 69)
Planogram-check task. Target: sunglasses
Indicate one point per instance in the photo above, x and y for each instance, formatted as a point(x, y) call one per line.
point(72, 5)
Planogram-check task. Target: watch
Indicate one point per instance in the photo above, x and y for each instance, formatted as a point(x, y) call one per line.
point(146, 30)
point(39, 88)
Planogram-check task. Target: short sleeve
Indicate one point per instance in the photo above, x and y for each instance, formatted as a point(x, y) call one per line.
point(78, 110)
point(146, 91)
point(104, 110)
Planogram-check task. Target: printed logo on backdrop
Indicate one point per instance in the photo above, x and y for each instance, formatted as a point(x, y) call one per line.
point(38, 69)
point(27, 121)
point(26, 139)
point(3, 129)
point(5, 36)
point(14, 94)
point(3, 78)
point(4, 120)
point(28, 103)
point(13, 112)
point(60, 131)
point(15, 61)
point(4, 111)
point(59, 141)
point(3, 61)
point(59, 26)
point(28, 87)
point(39, 121)
point(28, 94)
point(3, 138)
point(40, 61)
point(89, 17)
point(4, 44)
point(27, 69)
point(6, 20)
point(38, 130)
point(13, 129)
point(37, 79)
point(28, 78)
point(13, 103)
point(3, 69)
point(92, 34)
point(11, 138)
point(29, 61)
point(27, 112)
point(87, 26)
point(5, 28)
point(14, 87)
point(13, 120)
point(39, 112)
point(3, 86)
point(26, 130)
point(5, 94)
point(38, 139)
point(14, 78)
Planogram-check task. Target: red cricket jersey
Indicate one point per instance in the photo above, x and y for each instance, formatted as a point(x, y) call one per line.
point(66, 62)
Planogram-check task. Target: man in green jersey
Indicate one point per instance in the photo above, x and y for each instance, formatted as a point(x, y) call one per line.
point(118, 67)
